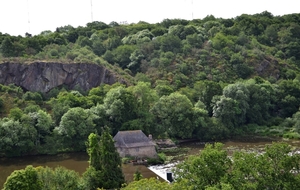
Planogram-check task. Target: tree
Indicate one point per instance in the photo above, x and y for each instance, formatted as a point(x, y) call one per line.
point(16, 139)
point(288, 103)
point(173, 115)
point(274, 169)
point(93, 150)
point(58, 178)
point(206, 169)
point(170, 43)
point(138, 38)
point(105, 163)
point(205, 91)
point(75, 126)
point(145, 97)
point(98, 47)
point(226, 109)
point(296, 120)
point(135, 59)
point(110, 161)
point(26, 179)
point(122, 54)
point(7, 48)
point(42, 122)
point(163, 90)
point(259, 103)
point(233, 105)
point(120, 107)
point(16, 113)
point(151, 183)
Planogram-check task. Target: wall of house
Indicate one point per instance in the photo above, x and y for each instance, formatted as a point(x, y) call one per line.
point(141, 152)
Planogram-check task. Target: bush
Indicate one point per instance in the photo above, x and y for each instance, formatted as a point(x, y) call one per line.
point(291, 135)
point(159, 160)
point(162, 156)
point(35, 96)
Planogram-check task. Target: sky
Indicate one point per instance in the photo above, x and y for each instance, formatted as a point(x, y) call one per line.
point(34, 16)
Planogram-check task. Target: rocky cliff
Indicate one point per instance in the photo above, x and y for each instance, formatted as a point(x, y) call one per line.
point(43, 76)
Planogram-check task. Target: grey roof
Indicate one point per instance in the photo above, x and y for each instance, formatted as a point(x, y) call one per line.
point(131, 139)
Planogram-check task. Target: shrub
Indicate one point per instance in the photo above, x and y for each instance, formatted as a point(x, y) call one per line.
point(291, 135)
point(159, 160)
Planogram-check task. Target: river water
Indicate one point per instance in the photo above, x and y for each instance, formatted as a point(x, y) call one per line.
point(79, 161)
point(73, 161)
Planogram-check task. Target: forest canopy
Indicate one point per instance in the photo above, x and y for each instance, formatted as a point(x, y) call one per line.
point(207, 79)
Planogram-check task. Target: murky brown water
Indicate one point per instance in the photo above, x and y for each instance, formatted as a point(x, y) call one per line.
point(73, 161)
point(79, 161)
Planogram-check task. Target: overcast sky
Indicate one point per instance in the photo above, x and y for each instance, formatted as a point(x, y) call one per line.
point(34, 16)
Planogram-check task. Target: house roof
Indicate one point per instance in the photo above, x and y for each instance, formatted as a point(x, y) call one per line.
point(131, 139)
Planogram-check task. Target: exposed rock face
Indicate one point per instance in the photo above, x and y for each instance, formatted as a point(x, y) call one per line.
point(42, 76)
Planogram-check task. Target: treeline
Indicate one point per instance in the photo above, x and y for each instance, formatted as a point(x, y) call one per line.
point(33, 123)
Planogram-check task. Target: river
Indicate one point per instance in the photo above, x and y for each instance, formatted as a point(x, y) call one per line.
point(73, 161)
point(79, 161)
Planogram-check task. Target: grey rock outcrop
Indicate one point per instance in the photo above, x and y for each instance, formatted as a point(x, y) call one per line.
point(43, 76)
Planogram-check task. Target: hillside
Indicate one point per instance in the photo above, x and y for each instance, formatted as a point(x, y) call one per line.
point(179, 51)
point(209, 79)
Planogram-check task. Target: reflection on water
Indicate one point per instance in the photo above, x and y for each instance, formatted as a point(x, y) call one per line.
point(73, 161)
point(231, 146)
point(79, 161)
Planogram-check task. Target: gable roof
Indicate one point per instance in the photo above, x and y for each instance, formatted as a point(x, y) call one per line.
point(131, 139)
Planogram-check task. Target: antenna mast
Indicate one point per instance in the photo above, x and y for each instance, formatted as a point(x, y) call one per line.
point(28, 16)
point(92, 10)
point(192, 10)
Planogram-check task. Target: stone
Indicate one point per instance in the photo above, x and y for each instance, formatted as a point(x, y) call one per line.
point(44, 76)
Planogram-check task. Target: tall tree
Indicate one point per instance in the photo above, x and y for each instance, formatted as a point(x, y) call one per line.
point(75, 126)
point(120, 107)
point(105, 164)
point(110, 161)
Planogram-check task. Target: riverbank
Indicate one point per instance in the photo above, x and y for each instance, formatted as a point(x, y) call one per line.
point(79, 161)
point(251, 144)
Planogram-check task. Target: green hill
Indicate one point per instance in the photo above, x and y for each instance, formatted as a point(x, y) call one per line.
point(208, 79)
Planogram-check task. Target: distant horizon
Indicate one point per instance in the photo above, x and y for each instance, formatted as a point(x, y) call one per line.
point(35, 16)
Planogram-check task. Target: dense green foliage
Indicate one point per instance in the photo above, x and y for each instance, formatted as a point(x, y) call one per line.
point(26, 179)
point(58, 178)
point(275, 168)
point(105, 163)
point(208, 79)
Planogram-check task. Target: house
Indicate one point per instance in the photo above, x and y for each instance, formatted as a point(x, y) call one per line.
point(134, 143)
